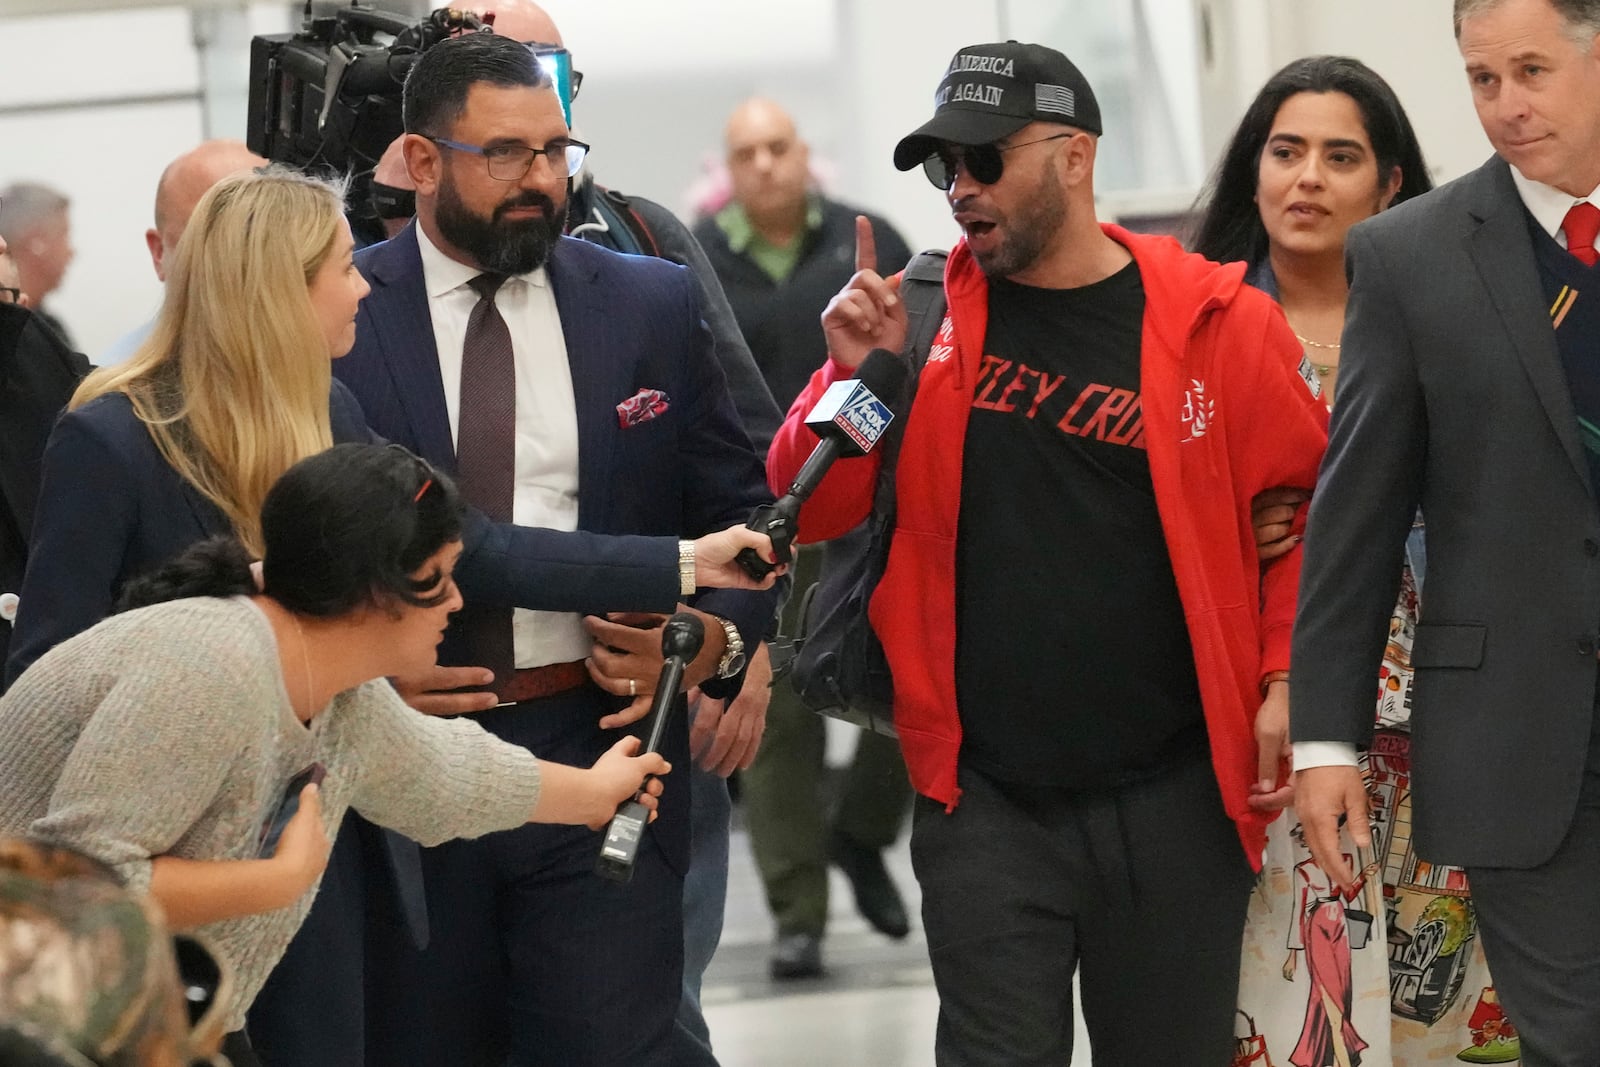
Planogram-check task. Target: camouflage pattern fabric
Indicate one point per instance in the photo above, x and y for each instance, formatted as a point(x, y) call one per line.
point(88, 966)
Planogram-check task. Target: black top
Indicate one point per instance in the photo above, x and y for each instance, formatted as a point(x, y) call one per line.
point(55, 324)
point(38, 373)
point(1572, 295)
point(783, 321)
point(1073, 664)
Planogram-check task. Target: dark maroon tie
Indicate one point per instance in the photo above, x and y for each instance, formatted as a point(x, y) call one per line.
point(486, 451)
point(1582, 224)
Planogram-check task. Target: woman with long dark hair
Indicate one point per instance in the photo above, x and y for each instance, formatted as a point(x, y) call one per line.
point(1375, 977)
point(171, 741)
point(1324, 145)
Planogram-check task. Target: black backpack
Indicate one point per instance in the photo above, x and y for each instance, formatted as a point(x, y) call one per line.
point(839, 667)
point(616, 224)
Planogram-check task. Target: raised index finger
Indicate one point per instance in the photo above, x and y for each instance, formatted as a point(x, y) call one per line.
point(866, 245)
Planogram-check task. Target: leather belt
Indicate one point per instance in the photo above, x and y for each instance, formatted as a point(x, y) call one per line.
point(534, 683)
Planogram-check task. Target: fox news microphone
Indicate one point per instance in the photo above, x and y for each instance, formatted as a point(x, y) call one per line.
point(681, 639)
point(850, 418)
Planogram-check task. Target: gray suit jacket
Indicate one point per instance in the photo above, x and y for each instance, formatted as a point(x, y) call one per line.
point(1452, 396)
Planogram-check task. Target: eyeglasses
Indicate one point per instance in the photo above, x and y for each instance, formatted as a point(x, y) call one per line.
point(510, 162)
point(982, 161)
point(10, 295)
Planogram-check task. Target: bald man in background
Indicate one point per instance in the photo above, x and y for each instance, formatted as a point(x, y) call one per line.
point(781, 250)
point(780, 244)
point(185, 180)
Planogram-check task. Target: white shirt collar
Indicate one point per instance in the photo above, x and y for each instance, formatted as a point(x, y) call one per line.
point(442, 274)
point(1547, 204)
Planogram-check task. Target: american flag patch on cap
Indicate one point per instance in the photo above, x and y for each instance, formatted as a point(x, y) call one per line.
point(1057, 99)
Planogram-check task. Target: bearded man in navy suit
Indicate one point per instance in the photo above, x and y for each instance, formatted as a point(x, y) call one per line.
point(575, 389)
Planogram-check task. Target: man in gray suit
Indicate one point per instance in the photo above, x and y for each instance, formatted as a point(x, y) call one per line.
point(1471, 387)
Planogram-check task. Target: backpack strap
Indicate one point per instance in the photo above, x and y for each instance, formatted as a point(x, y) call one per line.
point(619, 213)
point(836, 660)
point(922, 288)
point(641, 231)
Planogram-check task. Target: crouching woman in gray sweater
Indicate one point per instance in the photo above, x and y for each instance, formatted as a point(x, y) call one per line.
point(162, 741)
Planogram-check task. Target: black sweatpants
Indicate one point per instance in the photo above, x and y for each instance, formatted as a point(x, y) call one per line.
point(1143, 887)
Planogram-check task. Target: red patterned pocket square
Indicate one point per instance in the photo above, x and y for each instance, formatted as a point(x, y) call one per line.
point(641, 407)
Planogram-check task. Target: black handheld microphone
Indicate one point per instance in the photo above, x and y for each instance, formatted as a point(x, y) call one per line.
point(851, 418)
point(680, 642)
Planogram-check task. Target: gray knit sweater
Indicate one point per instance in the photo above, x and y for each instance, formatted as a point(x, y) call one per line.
point(167, 731)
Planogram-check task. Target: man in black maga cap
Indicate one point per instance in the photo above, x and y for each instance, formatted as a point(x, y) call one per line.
point(1090, 664)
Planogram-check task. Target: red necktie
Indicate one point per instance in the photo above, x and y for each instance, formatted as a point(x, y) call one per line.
point(486, 453)
point(1581, 225)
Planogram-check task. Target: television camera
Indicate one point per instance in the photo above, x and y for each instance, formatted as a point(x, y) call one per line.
point(327, 98)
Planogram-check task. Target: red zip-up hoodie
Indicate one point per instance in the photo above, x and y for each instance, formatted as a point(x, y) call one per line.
point(1227, 414)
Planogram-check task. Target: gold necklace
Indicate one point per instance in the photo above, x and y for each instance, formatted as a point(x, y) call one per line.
point(1322, 369)
point(305, 661)
point(1317, 344)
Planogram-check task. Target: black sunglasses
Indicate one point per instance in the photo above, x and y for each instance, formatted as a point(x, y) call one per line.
point(983, 162)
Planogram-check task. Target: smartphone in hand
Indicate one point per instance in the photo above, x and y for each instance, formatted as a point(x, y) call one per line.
point(287, 806)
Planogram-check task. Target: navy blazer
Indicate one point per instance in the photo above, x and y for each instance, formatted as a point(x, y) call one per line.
point(630, 323)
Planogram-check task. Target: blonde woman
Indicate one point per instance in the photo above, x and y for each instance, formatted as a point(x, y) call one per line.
point(182, 441)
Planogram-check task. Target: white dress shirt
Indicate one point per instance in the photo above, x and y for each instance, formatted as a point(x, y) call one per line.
point(1548, 206)
point(546, 490)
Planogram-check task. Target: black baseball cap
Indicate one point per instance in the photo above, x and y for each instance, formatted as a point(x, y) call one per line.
point(993, 90)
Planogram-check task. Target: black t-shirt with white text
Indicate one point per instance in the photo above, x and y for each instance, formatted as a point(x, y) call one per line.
point(1073, 663)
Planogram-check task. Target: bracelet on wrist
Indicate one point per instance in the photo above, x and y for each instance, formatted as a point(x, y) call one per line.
point(686, 568)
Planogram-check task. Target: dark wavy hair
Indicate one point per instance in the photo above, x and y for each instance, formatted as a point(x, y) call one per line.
point(437, 86)
point(1229, 226)
point(343, 528)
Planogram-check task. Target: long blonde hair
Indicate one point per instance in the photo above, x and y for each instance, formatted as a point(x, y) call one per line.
point(233, 381)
